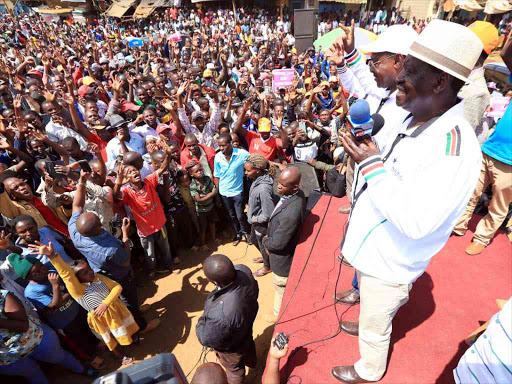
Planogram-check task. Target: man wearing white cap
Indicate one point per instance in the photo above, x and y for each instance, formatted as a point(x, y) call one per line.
point(409, 198)
point(377, 78)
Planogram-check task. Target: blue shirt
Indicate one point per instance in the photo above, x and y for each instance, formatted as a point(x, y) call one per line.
point(45, 236)
point(104, 252)
point(41, 295)
point(230, 175)
point(499, 144)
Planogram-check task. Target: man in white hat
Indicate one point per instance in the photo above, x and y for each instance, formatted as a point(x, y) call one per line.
point(409, 197)
point(377, 78)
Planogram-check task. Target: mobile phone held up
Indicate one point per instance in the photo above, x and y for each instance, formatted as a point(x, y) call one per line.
point(84, 165)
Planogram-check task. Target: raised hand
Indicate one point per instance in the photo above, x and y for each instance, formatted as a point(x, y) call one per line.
point(68, 99)
point(4, 240)
point(117, 84)
point(349, 41)
point(17, 101)
point(50, 96)
point(182, 88)
point(335, 53)
point(53, 278)
point(41, 249)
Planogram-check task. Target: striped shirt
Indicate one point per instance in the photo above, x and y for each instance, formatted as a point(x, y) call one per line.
point(489, 359)
point(94, 294)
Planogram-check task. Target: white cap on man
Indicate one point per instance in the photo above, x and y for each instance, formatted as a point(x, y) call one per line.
point(395, 39)
point(448, 46)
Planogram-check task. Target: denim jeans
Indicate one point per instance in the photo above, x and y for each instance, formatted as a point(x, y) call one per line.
point(48, 351)
point(148, 243)
point(235, 208)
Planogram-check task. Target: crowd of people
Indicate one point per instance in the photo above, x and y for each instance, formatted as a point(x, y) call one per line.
point(124, 143)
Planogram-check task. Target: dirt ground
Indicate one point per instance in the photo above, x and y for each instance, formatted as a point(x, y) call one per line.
point(178, 299)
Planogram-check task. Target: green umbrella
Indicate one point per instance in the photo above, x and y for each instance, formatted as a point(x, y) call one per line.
point(362, 37)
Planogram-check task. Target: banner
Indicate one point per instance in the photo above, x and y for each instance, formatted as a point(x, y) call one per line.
point(282, 78)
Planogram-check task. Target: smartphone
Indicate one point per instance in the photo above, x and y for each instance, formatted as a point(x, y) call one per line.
point(302, 125)
point(84, 165)
point(50, 169)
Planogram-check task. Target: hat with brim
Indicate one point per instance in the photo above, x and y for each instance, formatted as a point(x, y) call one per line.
point(487, 33)
point(116, 121)
point(127, 106)
point(197, 114)
point(264, 125)
point(448, 46)
point(87, 80)
point(396, 39)
point(35, 72)
point(164, 127)
point(85, 90)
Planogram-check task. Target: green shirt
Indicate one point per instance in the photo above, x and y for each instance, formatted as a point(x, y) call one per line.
point(196, 189)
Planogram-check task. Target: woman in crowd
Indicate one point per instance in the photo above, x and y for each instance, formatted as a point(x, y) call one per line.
point(261, 204)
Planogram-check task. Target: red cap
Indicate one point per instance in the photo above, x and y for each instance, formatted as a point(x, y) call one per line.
point(163, 127)
point(35, 72)
point(84, 90)
point(127, 106)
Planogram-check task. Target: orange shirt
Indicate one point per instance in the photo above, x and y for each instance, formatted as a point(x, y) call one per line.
point(268, 149)
point(146, 207)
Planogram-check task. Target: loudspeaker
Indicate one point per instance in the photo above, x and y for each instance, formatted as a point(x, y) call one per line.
point(160, 369)
point(305, 28)
point(308, 179)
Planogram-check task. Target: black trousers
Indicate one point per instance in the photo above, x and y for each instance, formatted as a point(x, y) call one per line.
point(180, 230)
point(130, 299)
point(257, 240)
point(80, 333)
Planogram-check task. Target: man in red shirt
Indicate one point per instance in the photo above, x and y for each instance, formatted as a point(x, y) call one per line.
point(262, 143)
point(195, 151)
point(147, 210)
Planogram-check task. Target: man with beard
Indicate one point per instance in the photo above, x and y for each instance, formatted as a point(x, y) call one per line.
point(407, 207)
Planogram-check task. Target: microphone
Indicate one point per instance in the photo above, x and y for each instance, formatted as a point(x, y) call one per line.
point(378, 123)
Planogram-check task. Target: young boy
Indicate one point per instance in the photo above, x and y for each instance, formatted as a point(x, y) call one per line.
point(147, 210)
point(203, 191)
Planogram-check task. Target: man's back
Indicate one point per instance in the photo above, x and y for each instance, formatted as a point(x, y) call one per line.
point(229, 313)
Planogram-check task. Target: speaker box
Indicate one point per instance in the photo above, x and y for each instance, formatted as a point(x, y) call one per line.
point(305, 28)
point(308, 179)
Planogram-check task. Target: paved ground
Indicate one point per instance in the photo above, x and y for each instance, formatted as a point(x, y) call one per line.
point(177, 299)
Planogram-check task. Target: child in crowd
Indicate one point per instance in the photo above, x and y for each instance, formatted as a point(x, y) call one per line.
point(184, 181)
point(203, 191)
point(147, 210)
point(108, 316)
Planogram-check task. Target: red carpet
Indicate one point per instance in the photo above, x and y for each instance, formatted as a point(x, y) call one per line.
point(446, 304)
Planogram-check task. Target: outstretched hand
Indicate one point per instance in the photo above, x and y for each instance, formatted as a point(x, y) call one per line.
point(41, 249)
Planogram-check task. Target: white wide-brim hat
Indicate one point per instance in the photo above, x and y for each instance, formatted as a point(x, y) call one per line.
point(450, 47)
point(396, 39)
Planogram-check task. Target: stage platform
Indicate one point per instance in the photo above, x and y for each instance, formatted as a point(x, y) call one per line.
point(446, 303)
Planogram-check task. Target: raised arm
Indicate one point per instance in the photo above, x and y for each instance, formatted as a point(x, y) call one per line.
point(79, 200)
point(74, 287)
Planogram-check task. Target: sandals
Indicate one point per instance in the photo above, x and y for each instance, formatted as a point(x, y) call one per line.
point(97, 363)
point(127, 360)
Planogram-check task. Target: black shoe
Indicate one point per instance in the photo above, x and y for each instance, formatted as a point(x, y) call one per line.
point(237, 240)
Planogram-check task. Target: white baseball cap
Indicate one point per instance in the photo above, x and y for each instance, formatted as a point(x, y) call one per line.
point(395, 39)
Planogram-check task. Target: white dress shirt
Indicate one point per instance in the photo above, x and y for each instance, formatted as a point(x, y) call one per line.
point(407, 202)
point(57, 133)
point(136, 144)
